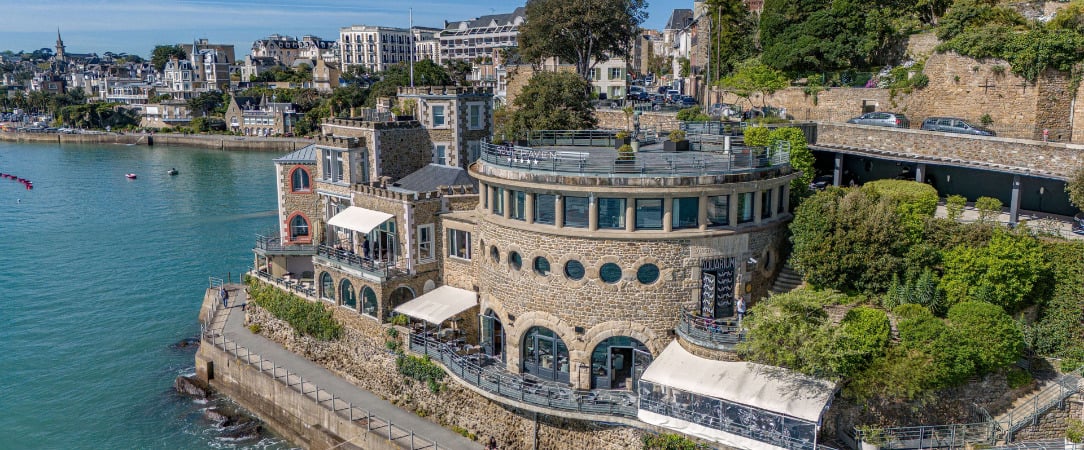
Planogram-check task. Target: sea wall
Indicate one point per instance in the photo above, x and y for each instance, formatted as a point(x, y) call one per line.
point(221, 142)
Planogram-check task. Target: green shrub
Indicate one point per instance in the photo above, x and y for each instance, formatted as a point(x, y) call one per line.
point(757, 136)
point(792, 330)
point(1074, 431)
point(1075, 187)
point(911, 311)
point(308, 318)
point(668, 441)
point(421, 369)
point(862, 336)
point(989, 208)
point(692, 114)
point(1061, 316)
point(400, 320)
point(801, 159)
point(916, 202)
point(954, 206)
point(992, 337)
point(919, 289)
point(621, 135)
point(625, 153)
point(1017, 377)
point(392, 333)
point(255, 328)
point(677, 135)
point(1005, 272)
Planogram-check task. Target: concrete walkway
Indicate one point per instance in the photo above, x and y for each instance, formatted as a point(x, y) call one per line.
point(1052, 223)
point(234, 330)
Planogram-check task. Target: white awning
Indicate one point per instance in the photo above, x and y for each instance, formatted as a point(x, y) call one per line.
point(359, 219)
point(769, 388)
point(439, 305)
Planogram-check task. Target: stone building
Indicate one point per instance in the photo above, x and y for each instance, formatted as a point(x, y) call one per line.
point(259, 117)
point(558, 273)
point(289, 254)
point(466, 40)
point(376, 48)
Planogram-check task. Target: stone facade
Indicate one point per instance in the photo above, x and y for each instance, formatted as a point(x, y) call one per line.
point(958, 87)
point(391, 149)
point(1046, 159)
point(615, 119)
point(457, 119)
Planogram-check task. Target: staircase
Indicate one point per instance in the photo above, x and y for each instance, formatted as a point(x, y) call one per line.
point(788, 280)
point(1026, 410)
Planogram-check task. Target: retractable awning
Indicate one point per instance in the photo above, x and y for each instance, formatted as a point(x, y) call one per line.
point(439, 305)
point(359, 219)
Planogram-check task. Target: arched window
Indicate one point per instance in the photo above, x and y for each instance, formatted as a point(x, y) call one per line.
point(299, 180)
point(545, 355)
point(327, 287)
point(618, 361)
point(398, 296)
point(346, 293)
point(299, 227)
point(368, 299)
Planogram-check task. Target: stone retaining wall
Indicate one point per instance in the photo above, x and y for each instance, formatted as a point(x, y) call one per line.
point(1052, 424)
point(221, 142)
point(361, 357)
point(616, 119)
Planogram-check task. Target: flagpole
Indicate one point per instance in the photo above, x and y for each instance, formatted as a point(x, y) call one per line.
point(411, 40)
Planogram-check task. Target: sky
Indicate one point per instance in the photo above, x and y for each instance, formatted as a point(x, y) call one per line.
point(136, 26)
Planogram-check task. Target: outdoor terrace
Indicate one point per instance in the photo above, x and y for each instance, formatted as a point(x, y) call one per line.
point(266, 245)
point(709, 333)
point(373, 267)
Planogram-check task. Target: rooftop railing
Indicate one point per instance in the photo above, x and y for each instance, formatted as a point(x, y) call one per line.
point(477, 370)
point(708, 332)
point(377, 267)
point(274, 245)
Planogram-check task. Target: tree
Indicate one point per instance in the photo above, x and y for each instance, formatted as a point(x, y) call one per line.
point(1006, 272)
point(552, 101)
point(915, 202)
point(1075, 188)
point(790, 330)
point(426, 73)
point(752, 76)
point(849, 240)
point(732, 28)
point(459, 70)
point(205, 102)
point(803, 36)
point(992, 337)
point(162, 54)
point(584, 32)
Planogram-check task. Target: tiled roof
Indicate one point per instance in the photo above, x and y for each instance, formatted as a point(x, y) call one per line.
point(306, 154)
point(679, 19)
point(433, 176)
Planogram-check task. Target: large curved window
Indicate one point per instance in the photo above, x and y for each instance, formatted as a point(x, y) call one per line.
point(545, 355)
point(574, 269)
point(618, 362)
point(327, 287)
point(299, 227)
point(299, 180)
point(346, 293)
point(368, 299)
point(647, 273)
point(649, 214)
point(610, 273)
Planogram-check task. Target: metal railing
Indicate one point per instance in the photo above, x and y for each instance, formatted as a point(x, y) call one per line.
point(1028, 413)
point(373, 266)
point(731, 427)
point(289, 285)
point(484, 374)
point(714, 128)
point(571, 138)
point(935, 436)
point(708, 332)
point(275, 245)
point(346, 410)
point(738, 160)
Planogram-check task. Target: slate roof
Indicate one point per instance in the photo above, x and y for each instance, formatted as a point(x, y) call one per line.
point(431, 177)
point(679, 19)
point(303, 155)
point(507, 19)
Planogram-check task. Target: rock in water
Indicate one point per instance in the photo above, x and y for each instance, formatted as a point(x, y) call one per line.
point(216, 416)
point(190, 386)
point(247, 431)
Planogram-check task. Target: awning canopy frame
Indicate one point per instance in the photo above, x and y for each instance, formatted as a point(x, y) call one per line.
point(359, 219)
point(439, 305)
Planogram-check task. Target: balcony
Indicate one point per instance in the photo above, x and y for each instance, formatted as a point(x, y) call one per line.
point(266, 245)
point(484, 373)
point(709, 333)
point(372, 267)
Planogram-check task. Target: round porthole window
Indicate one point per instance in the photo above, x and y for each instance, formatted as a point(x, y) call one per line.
point(542, 266)
point(647, 273)
point(515, 260)
point(610, 273)
point(574, 270)
point(495, 254)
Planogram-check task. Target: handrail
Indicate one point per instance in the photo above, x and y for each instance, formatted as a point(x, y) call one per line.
point(353, 259)
point(1041, 402)
point(519, 388)
point(286, 284)
point(274, 244)
point(324, 398)
point(735, 428)
point(935, 436)
point(706, 330)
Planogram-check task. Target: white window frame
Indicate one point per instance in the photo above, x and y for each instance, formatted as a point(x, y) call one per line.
point(426, 249)
point(453, 242)
point(443, 115)
point(436, 155)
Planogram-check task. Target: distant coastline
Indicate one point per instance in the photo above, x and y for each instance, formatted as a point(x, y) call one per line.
point(222, 142)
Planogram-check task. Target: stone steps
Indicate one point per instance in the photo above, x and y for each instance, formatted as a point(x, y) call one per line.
point(788, 280)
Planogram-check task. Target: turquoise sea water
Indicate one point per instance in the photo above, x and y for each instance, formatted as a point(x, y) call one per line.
point(101, 276)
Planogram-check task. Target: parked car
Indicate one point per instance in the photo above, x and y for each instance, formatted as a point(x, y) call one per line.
point(687, 101)
point(821, 182)
point(954, 125)
point(1078, 224)
point(672, 95)
point(882, 119)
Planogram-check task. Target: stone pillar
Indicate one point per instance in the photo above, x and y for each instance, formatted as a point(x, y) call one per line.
point(758, 205)
point(489, 197)
point(786, 196)
point(733, 205)
point(506, 198)
point(668, 214)
point(483, 194)
point(837, 171)
point(920, 173)
point(1014, 202)
point(559, 215)
point(630, 214)
point(528, 215)
point(702, 217)
point(592, 212)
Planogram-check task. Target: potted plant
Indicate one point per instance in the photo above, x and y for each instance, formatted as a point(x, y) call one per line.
point(1074, 434)
point(676, 142)
point(873, 437)
point(626, 159)
point(621, 139)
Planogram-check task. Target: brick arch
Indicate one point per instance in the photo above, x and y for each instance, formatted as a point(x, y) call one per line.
point(291, 178)
point(514, 336)
point(606, 330)
point(307, 238)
